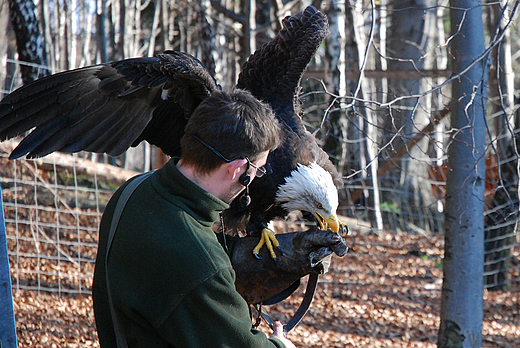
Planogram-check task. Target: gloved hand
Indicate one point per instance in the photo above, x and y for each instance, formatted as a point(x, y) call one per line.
point(303, 253)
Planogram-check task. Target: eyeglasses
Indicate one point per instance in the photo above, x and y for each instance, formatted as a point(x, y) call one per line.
point(260, 171)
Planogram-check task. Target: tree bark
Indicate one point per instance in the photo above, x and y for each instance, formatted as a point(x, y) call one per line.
point(336, 59)
point(410, 36)
point(101, 29)
point(462, 289)
point(367, 125)
point(28, 39)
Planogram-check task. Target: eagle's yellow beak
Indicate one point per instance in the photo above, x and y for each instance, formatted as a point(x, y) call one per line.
point(331, 222)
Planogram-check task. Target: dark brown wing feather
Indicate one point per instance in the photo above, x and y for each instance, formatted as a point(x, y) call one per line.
point(107, 108)
point(273, 73)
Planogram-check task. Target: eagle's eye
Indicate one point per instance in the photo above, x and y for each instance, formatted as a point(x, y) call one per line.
point(319, 205)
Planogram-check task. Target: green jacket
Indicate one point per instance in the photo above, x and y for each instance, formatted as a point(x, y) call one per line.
point(172, 282)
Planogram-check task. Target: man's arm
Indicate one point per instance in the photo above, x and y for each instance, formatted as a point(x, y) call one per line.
point(214, 314)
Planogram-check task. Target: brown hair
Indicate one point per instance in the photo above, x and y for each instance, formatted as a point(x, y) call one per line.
point(235, 124)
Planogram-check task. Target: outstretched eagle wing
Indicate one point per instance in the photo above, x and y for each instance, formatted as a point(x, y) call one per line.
point(273, 72)
point(108, 108)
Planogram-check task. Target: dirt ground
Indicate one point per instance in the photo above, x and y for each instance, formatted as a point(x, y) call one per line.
point(384, 293)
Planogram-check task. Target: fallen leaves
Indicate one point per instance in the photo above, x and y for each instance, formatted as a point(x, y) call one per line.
point(387, 294)
point(50, 320)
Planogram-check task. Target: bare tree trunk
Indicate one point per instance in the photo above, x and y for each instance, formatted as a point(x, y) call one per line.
point(252, 26)
point(73, 22)
point(441, 63)
point(65, 43)
point(411, 30)
point(367, 124)
point(121, 46)
point(264, 22)
point(6, 74)
point(28, 39)
point(169, 38)
point(462, 289)
point(136, 42)
point(129, 28)
point(155, 29)
point(164, 26)
point(205, 37)
point(60, 15)
point(101, 26)
point(87, 57)
point(336, 58)
point(232, 48)
point(49, 40)
point(247, 36)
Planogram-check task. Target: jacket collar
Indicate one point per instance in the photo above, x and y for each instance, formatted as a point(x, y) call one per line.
point(175, 187)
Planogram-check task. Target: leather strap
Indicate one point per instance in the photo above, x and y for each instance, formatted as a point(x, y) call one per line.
point(312, 283)
point(118, 211)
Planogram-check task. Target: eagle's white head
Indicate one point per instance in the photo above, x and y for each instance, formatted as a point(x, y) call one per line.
point(310, 188)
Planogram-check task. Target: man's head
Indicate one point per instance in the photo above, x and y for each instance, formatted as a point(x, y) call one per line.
point(235, 124)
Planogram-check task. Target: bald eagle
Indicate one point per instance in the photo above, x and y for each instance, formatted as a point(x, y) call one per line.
point(109, 107)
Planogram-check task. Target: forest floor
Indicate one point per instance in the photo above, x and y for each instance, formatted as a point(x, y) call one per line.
point(384, 293)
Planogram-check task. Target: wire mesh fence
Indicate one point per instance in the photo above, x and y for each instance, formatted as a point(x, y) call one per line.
point(52, 212)
point(53, 209)
point(53, 206)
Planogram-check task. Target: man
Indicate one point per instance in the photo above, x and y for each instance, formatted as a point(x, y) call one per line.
point(171, 282)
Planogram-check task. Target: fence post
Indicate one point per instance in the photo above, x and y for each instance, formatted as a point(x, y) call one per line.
point(7, 323)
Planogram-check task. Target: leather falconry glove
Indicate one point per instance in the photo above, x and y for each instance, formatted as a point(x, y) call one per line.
point(303, 253)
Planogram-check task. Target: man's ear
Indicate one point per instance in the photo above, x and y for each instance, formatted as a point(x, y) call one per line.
point(235, 166)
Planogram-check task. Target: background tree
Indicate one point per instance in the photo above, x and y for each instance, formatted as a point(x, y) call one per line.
point(410, 36)
point(29, 41)
point(462, 288)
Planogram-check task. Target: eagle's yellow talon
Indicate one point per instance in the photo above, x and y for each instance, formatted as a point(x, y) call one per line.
point(343, 230)
point(269, 239)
